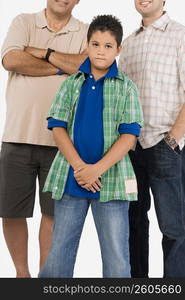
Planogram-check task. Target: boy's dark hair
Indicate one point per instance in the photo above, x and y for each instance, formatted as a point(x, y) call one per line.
point(106, 23)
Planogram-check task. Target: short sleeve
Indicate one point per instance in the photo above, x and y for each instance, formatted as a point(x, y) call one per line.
point(84, 40)
point(132, 128)
point(17, 36)
point(52, 123)
point(61, 105)
point(132, 109)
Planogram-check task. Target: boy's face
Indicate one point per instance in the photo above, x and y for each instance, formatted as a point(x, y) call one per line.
point(102, 50)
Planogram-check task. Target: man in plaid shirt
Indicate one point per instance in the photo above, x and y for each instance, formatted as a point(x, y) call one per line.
point(154, 58)
point(95, 118)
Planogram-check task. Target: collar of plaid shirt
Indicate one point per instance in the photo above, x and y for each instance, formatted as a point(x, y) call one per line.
point(160, 23)
point(121, 105)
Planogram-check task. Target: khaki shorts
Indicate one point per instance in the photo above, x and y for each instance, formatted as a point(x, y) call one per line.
point(20, 167)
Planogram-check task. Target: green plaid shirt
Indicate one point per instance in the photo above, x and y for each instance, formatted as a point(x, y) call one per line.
point(121, 105)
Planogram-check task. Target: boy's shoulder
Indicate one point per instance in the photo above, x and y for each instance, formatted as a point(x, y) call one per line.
point(72, 80)
point(121, 75)
point(75, 77)
point(125, 80)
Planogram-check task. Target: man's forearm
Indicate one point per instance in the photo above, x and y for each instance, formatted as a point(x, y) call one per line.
point(178, 129)
point(24, 63)
point(69, 63)
point(116, 152)
point(66, 147)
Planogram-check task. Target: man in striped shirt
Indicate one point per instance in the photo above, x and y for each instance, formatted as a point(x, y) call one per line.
point(154, 58)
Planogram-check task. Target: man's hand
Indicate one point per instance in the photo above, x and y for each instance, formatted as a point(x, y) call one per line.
point(88, 176)
point(36, 52)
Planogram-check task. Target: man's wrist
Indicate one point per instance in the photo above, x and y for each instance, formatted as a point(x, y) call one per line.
point(43, 54)
point(170, 140)
point(48, 53)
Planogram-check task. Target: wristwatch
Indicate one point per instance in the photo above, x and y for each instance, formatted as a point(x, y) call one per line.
point(49, 51)
point(170, 141)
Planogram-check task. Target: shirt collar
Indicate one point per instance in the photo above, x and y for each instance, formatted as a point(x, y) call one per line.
point(41, 22)
point(160, 23)
point(86, 68)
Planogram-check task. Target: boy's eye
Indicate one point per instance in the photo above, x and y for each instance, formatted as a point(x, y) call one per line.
point(95, 44)
point(108, 46)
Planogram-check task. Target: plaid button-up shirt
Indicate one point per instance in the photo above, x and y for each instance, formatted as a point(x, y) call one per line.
point(154, 58)
point(121, 105)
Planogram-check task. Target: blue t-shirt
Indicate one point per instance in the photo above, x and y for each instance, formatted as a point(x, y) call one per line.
point(88, 126)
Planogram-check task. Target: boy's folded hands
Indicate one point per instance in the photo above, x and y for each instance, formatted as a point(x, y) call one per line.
point(88, 177)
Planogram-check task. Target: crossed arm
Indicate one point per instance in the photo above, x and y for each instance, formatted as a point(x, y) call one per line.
point(87, 175)
point(30, 62)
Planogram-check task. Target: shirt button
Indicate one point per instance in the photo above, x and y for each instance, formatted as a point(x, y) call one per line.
point(91, 76)
point(93, 87)
point(76, 91)
point(56, 187)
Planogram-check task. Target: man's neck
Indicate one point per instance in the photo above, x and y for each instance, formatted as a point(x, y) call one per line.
point(147, 21)
point(56, 22)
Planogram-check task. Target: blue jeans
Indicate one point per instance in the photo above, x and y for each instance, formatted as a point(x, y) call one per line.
point(163, 170)
point(111, 221)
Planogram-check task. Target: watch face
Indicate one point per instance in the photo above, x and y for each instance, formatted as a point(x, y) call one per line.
point(170, 141)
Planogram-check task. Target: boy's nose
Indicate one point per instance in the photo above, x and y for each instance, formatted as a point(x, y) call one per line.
point(101, 51)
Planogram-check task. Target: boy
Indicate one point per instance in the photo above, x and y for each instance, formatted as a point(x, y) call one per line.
point(95, 117)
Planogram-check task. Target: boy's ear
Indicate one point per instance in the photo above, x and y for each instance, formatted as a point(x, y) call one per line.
point(119, 50)
point(87, 45)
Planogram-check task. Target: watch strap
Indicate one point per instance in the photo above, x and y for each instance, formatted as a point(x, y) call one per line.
point(49, 51)
point(170, 141)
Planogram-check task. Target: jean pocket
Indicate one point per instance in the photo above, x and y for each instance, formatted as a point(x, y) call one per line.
point(165, 163)
point(175, 151)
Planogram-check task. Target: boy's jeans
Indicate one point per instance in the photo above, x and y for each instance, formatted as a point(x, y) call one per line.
point(111, 220)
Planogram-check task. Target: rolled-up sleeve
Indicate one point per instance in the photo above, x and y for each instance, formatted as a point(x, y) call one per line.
point(52, 123)
point(132, 128)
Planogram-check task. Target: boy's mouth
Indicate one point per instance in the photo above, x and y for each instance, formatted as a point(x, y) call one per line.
point(99, 58)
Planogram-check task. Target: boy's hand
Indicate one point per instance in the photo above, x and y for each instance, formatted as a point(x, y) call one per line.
point(88, 177)
point(94, 187)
